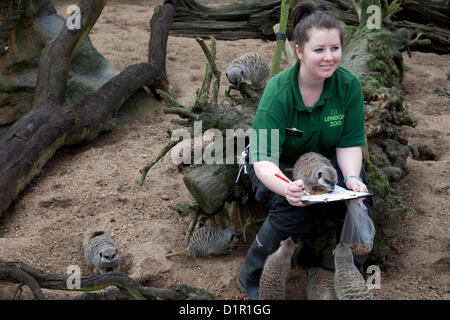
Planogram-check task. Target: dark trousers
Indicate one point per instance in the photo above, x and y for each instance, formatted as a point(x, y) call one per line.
point(285, 220)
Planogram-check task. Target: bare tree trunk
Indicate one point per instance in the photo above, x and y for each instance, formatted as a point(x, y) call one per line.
point(34, 138)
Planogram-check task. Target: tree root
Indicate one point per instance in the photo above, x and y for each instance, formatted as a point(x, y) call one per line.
point(35, 279)
point(12, 271)
point(210, 68)
point(152, 162)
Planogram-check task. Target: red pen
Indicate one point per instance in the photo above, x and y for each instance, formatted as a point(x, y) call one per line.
point(288, 181)
point(282, 178)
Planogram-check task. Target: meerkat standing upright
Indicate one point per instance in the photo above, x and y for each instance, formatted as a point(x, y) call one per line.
point(101, 252)
point(272, 285)
point(316, 171)
point(349, 283)
point(250, 66)
point(209, 240)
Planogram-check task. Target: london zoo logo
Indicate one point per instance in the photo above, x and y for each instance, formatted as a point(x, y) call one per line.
point(334, 119)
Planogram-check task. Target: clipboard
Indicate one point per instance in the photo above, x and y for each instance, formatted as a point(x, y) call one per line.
point(338, 194)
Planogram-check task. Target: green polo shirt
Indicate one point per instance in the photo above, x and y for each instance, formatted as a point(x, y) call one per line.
point(336, 120)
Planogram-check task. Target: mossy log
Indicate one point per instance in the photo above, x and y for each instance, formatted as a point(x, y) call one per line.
point(211, 185)
point(51, 123)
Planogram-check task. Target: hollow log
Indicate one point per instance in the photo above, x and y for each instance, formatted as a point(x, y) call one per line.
point(28, 144)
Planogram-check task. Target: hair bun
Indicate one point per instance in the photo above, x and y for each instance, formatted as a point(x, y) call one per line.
point(304, 9)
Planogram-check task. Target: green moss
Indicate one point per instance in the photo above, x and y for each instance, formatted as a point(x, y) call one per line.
point(388, 214)
point(378, 182)
point(378, 159)
point(370, 86)
point(222, 218)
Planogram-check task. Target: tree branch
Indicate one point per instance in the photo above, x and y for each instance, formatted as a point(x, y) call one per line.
point(13, 271)
point(36, 279)
point(57, 55)
point(34, 138)
point(152, 162)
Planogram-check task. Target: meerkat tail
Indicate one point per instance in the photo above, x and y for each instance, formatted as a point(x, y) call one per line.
point(91, 234)
point(174, 254)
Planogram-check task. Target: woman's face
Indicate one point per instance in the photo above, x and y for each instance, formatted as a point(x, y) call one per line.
point(321, 54)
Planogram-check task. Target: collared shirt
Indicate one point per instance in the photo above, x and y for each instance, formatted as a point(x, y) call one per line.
point(336, 119)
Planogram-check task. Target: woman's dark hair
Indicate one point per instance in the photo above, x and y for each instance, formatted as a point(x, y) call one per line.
point(309, 15)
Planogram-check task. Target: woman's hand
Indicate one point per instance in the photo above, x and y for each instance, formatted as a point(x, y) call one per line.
point(294, 191)
point(356, 185)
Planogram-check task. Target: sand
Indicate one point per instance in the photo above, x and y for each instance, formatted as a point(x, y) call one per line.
point(94, 186)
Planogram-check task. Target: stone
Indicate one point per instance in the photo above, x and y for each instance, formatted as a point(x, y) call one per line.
point(396, 152)
point(164, 197)
point(414, 151)
point(392, 173)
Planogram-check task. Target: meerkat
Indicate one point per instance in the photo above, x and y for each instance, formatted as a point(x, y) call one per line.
point(272, 285)
point(317, 173)
point(101, 252)
point(250, 66)
point(320, 284)
point(208, 241)
point(349, 283)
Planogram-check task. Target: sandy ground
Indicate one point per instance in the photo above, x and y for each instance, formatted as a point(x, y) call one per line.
point(94, 186)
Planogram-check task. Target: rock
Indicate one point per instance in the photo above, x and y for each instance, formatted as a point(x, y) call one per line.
point(112, 220)
point(164, 197)
point(122, 199)
point(396, 152)
point(392, 173)
point(414, 151)
point(378, 157)
point(426, 152)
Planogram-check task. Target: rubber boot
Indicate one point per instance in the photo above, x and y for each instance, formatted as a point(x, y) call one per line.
point(266, 242)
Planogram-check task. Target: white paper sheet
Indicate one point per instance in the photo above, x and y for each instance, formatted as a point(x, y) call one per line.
point(338, 194)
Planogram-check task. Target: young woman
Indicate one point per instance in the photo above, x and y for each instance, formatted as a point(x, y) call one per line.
point(325, 103)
